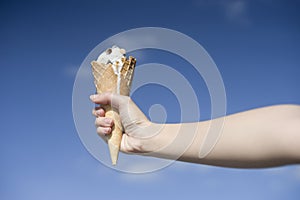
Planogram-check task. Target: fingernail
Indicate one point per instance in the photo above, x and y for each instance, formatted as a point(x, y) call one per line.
point(107, 130)
point(98, 112)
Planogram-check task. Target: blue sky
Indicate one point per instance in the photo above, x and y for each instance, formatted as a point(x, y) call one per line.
point(255, 45)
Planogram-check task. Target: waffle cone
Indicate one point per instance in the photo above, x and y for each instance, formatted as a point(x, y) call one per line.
point(107, 81)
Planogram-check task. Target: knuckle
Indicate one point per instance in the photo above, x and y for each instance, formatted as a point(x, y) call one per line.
point(107, 94)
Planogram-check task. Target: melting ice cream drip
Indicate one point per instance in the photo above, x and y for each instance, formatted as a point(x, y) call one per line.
point(115, 56)
point(117, 70)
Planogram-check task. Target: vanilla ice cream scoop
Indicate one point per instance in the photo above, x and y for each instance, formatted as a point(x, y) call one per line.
point(111, 55)
point(115, 56)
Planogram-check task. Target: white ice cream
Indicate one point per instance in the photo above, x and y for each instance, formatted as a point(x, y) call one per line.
point(114, 56)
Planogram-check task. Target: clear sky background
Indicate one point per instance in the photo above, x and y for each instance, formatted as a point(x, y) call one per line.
point(255, 45)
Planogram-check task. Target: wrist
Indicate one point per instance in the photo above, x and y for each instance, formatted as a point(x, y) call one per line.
point(153, 139)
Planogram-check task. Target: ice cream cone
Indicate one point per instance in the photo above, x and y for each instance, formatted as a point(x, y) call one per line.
point(106, 80)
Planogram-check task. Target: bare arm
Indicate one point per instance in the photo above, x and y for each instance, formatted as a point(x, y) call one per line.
point(263, 137)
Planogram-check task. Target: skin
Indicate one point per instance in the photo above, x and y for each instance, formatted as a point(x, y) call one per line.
point(258, 138)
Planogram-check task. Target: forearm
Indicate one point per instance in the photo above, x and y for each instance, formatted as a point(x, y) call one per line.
point(262, 137)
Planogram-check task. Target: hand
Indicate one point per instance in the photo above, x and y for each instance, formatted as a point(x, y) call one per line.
point(137, 128)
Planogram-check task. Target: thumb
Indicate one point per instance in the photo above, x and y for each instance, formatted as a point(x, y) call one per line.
point(114, 100)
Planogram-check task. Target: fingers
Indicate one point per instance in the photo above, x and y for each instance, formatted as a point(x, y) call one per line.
point(103, 122)
point(98, 112)
point(103, 136)
point(107, 99)
point(103, 131)
point(104, 98)
point(104, 126)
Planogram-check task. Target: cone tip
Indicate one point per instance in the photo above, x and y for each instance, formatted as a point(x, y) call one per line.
point(114, 153)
